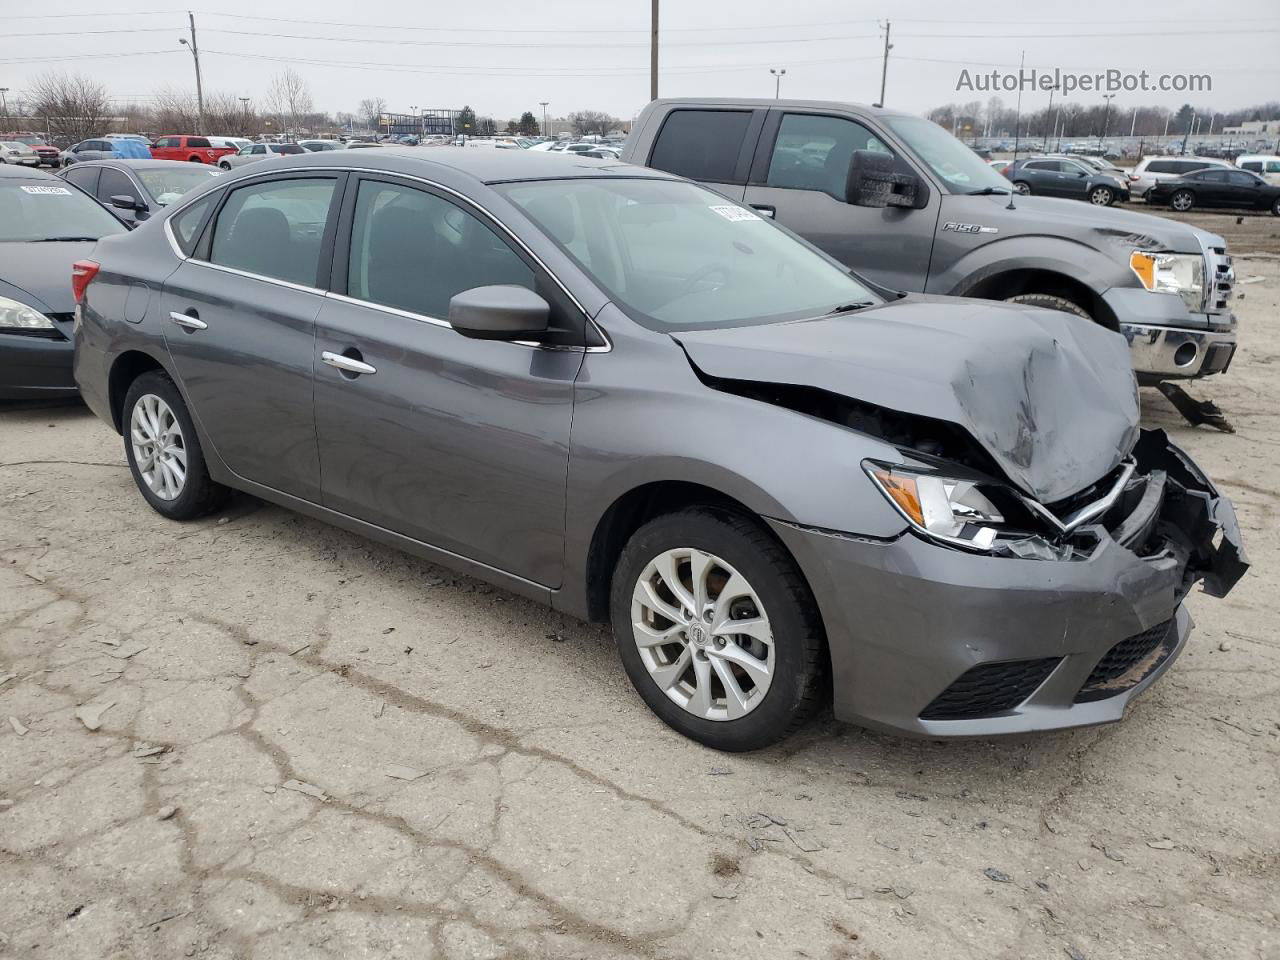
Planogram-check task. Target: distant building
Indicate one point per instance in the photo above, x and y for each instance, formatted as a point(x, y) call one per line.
point(1253, 128)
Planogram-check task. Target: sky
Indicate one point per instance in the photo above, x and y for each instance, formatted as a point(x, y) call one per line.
point(503, 57)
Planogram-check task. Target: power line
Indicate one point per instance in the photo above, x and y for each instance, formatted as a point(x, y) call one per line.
point(538, 45)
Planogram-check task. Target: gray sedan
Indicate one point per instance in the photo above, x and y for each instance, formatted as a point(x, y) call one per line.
point(260, 151)
point(618, 393)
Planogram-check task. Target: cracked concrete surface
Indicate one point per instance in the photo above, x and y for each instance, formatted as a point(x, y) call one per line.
point(553, 815)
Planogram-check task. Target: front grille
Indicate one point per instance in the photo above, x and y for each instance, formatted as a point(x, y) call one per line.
point(1127, 663)
point(989, 689)
point(1221, 279)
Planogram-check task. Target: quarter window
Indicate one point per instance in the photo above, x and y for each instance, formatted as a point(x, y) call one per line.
point(414, 251)
point(186, 223)
point(702, 144)
point(813, 153)
point(274, 229)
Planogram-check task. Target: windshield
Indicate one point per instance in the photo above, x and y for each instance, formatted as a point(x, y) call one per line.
point(169, 184)
point(676, 256)
point(41, 211)
point(286, 148)
point(962, 170)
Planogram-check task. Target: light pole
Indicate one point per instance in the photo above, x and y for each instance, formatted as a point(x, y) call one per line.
point(777, 81)
point(245, 102)
point(543, 105)
point(195, 55)
point(1106, 118)
point(413, 109)
point(4, 103)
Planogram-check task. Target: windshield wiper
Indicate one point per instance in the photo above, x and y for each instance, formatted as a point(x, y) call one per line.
point(850, 307)
point(986, 192)
point(62, 239)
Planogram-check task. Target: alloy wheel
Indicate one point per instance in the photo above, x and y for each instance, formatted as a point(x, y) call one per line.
point(1181, 201)
point(1022, 187)
point(703, 634)
point(159, 449)
point(1101, 197)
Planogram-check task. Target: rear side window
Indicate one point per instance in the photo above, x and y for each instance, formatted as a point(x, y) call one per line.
point(274, 229)
point(86, 178)
point(702, 144)
point(1160, 166)
point(186, 223)
point(1050, 165)
point(1254, 165)
point(198, 142)
point(1186, 166)
point(1211, 176)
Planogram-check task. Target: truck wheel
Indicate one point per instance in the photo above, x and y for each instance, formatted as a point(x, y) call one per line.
point(194, 160)
point(1102, 196)
point(717, 629)
point(1049, 302)
point(1182, 201)
point(1022, 186)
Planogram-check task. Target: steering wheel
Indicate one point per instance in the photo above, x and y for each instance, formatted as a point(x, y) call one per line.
point(691, 282)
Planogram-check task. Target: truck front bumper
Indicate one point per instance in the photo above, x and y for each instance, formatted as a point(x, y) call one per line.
point(1178, 353)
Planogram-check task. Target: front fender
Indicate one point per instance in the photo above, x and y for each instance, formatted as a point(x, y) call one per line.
point(1068, 258)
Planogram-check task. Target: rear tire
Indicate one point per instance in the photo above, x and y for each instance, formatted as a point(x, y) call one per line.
point(776, 670)
point(1275, 208)
point(1050, 302)
point(163, 450)
point(194, 160)
point(1182, 201)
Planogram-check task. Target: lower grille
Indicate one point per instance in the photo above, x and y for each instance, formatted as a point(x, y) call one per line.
point(989, 689)
point(1126, 664)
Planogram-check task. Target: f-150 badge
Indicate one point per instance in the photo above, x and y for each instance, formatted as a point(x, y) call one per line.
point(968, 227)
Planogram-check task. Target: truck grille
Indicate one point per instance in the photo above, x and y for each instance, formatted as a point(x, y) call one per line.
point(1220, 280)
point(989, 689)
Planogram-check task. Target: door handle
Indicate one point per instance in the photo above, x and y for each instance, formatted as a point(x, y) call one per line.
point(347, 364)
point(768, 209)
point(188, 320)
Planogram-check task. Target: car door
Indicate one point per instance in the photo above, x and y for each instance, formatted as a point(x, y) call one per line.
point(1210, 188)
point(239, 320)
point(164, 148)
point(1073, 179)
point(1244, 190)
point(799, 179)
point(455, 442)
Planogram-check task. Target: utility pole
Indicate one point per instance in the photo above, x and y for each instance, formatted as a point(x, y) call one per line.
point(195, 55)
point(4, 103)
point(245, 101)
point(1044, 147)
point(1017, 116)
point(653, 53)
point(884, 69)
point(1106, 119)
point(777, 81)
point(543, 104)
point(1187, 136)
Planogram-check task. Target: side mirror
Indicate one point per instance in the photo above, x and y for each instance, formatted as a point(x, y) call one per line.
point(125, 202)
point(873, 182)
point(503, 312)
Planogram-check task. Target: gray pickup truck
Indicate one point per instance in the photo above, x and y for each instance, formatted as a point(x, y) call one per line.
point(909, 207)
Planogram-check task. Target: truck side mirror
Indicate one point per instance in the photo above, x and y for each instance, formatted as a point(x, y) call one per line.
point(873, 182)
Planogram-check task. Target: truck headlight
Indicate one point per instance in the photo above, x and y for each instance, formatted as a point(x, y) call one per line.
point(1180, 273)
point(940, 507)
point(19, 317)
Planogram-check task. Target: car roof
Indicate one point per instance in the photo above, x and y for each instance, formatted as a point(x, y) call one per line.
point(8, 172)
point(484, 166)
point(135, 163)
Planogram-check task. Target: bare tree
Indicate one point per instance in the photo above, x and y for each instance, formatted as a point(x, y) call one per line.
point(74, 107)
point(592, 121)
point(370, 109)
point(289, 99)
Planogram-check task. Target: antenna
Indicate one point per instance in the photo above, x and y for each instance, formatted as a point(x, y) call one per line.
point(1017, 125)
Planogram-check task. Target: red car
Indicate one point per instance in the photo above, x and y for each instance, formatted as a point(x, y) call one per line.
point(193, 149)
point(46, 153)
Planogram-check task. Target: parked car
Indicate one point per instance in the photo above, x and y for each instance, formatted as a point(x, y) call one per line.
point(261, 151)
point(499, 375)
point(190, 149)
point(1000, 166)
point(1150, 170)
point(45, 227)
point(1266, 166)
point(233, 143)
point(601, 153)
point(1231, 189)
point(107, 148)
point(16, 152)
point(49, 155)
point(137, 189)
point(315, 146)
point(1065, 177)
point(901, 201)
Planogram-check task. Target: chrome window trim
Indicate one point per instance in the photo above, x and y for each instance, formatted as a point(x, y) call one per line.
point(257, 276)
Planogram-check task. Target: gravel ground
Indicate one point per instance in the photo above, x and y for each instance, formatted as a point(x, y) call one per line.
point(311, 746)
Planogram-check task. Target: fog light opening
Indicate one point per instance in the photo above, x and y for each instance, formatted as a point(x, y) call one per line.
point(1185, 355)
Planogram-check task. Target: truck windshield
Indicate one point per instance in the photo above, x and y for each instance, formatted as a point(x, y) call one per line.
point(675, 256)
point(962, 170)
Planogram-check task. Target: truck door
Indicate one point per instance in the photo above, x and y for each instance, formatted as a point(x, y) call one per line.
point(799, 177)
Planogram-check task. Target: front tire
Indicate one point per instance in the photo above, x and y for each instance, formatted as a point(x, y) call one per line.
point(1275, 208)
point(1102, 196)
point(717, 629)
point(1050, 302)
point(1182, 201)
point(164, 452)
point(1022, 187)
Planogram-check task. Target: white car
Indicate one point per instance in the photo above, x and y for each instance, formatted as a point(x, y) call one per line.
point(259, 151)
point(1265, 165)
point(11, 151)
point(239, 143)
point(1151, 169)
point(316, 146)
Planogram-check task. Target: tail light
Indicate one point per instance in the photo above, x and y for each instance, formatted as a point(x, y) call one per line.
point(82, 271)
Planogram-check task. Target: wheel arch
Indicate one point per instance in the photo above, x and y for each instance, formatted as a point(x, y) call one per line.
point(1012, 282)
point(125, 369)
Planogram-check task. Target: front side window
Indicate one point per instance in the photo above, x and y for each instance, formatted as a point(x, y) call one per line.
point(274, 229)
point(415, 251)
point(702, 144)
point(41, 211)
point(115, 184)
point(676, 256)
point(813, 153)
point(198, 142)
point(1242, 179)
point(166, 142)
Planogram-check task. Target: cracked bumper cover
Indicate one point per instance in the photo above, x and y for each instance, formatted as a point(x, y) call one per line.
point(907, 618)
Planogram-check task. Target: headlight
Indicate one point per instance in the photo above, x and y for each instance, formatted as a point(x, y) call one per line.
point(1178, 273)
point(18, 316)
point(940, 507)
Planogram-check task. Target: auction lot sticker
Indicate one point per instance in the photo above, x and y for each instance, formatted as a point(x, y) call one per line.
point(48, 191)
point(734, 214)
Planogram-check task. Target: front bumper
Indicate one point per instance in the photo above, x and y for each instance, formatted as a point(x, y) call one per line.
point(1177, 353)
point(35, 367)
point(910, 624)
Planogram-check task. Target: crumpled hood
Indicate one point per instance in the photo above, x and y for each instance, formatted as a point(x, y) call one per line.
point(1049, 396)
